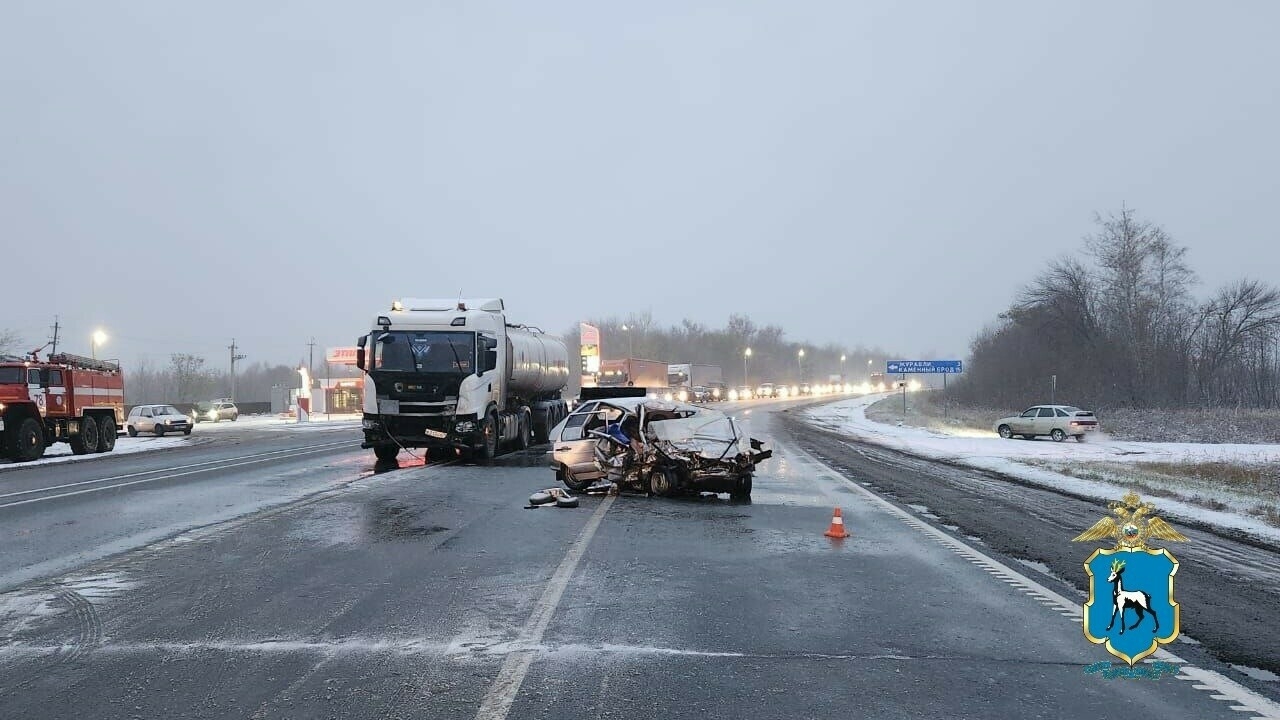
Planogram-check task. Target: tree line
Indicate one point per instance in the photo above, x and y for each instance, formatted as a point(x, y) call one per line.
point(1121, 326)
point(773, 358)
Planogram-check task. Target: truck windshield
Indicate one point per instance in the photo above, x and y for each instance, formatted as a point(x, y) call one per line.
point(430, 351)
point(12, 376)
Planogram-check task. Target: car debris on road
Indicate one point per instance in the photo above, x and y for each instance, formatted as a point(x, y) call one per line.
point(557, 496)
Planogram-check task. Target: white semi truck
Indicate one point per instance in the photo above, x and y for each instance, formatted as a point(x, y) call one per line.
point(455, 376)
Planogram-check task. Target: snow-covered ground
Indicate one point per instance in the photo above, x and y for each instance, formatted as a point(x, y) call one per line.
point(61, 452)
point(987, 451)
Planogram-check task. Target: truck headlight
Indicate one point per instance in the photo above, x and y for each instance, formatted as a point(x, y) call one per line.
point(466, 426)
point(369, 424)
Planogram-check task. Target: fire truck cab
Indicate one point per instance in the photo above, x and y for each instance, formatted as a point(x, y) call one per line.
point(66, 398)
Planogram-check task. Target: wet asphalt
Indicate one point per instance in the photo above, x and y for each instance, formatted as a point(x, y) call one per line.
point(430, 591)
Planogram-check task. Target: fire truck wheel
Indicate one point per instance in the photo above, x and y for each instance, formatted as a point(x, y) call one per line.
point(87, 440)
point(28, 441)
point(106, 434)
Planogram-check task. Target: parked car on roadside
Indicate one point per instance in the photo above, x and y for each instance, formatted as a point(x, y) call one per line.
point(1055, 421)
point(157, 419)
point(215, 411)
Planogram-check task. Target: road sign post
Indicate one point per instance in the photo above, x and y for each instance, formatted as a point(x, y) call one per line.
point(923, 367)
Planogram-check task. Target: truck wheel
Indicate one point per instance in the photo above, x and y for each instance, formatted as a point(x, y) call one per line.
point(742, 488)
point(106, 434)
point(28, 441)
point(87, 440)
point(489, 436)
point(522, 442)
point(386, 452)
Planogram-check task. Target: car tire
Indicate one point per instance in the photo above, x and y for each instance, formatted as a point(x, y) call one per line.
point(86, 441)
point(662, 482)
point(235, 417)
point(1057, 435)
point(159, 430)
point(1005, 432)
point(386, 452)
point(106, 434)
point(28, 441)
point(1080, 438)
point(571, 482)
point(133, 431)
point(187, 431)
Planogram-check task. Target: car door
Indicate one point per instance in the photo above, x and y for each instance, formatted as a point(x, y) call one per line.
point(1045, 421)
point(146, 421)
point(1025, 424)
point(573, 450)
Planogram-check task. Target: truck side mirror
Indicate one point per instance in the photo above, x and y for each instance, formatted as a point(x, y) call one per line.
point(360, 358)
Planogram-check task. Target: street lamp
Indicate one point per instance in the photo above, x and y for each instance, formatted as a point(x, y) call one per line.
point(746, 355)
point(842, 359)
point(800, 363)
point(99, 338)
point(631, 350)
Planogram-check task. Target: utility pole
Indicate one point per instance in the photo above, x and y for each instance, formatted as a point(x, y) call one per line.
point(234, 358)
point(54, 342)
point(311, 358)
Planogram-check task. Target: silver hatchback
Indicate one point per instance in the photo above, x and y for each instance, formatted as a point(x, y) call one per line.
point(1054, 421)
point(157, 419)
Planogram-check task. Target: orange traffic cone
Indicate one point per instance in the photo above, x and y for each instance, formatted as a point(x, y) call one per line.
point(837, 526)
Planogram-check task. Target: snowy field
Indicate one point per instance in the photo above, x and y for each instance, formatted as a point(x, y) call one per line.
point(61, 452)
point(1034, 461)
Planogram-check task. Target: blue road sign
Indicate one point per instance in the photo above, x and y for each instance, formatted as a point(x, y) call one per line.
point(899, 367)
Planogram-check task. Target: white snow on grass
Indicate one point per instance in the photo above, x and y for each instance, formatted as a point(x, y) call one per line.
point(987, 451)
point(61, 452)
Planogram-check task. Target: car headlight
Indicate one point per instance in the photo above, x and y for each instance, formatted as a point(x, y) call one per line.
point(684, 396)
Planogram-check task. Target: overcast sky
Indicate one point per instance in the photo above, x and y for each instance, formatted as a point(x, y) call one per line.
point(179, 173)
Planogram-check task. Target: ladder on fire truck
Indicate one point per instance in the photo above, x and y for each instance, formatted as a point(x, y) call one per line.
point(83, 363)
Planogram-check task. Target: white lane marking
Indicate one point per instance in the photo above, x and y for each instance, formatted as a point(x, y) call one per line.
point(167, 469)
point(497, 702)
point(1225, 687)
point(162, 477)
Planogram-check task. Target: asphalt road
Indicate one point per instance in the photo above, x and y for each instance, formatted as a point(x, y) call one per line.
point(429, 591)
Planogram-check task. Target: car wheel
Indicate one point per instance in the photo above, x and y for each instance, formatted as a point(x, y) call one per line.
point(1005, 431)
point(571, 482)
point(133, 431)
point(106, 434)
point(235, 417)
point(1058, 435)
point(1080, 438)
point(159, 430)
point(87, 440)
point(28, 442)
point(662, 481)
point(187, 431)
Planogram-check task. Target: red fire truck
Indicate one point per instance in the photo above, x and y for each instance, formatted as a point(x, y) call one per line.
point(66, 398)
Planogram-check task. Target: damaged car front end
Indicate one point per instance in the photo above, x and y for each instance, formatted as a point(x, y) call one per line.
point(666, 449)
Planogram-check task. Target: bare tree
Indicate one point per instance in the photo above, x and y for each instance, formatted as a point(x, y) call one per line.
point(10, 342)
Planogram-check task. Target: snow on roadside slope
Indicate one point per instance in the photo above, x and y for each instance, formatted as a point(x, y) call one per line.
point(61, 452)
point(1010, 457)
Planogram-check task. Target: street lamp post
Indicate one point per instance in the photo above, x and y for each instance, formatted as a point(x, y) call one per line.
point(99, 338)
point(869, 369)
point(746, 355)
point(631, 349)
point(800, 363)
point(842, 359)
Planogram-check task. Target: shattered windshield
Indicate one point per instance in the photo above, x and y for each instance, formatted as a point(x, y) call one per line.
point(428, 351)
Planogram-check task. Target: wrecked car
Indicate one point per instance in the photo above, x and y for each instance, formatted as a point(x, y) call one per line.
point(656, 447)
